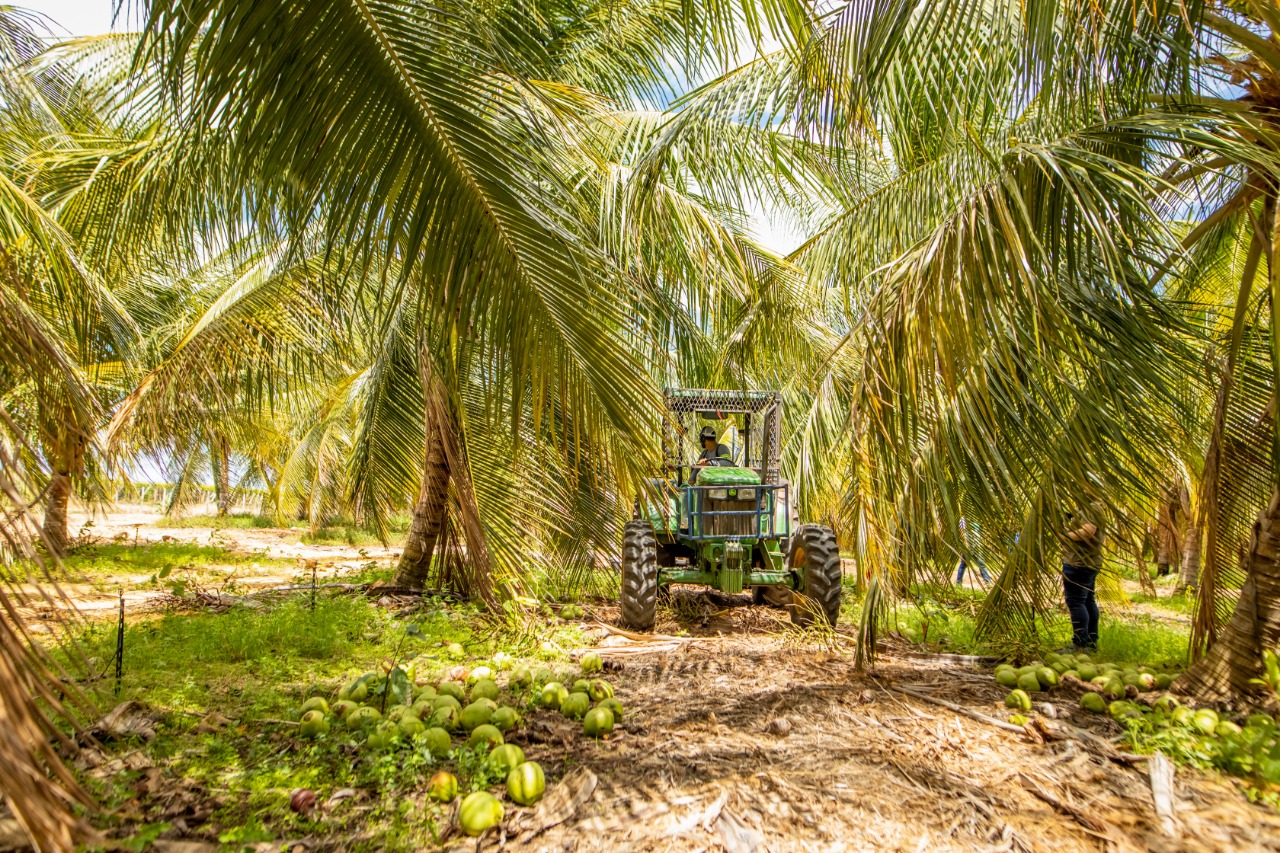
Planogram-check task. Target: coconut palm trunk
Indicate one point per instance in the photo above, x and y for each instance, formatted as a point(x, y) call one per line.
point(222, 474)
point(1236, 657)
point(428, 517)
point(1189, 574)
point(57, 503)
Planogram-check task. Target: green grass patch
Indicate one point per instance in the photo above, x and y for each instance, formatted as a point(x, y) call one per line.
point(154, 558)
point(1183, 604)
point(243, 521)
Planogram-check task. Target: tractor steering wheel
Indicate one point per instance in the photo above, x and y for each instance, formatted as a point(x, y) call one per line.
point(721, 462)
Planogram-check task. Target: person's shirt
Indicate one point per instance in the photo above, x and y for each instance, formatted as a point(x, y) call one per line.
point(1087, 550)
point(721, 451)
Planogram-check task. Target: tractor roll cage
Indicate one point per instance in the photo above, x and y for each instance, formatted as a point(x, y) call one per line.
point(692, 524)
point(762, 427)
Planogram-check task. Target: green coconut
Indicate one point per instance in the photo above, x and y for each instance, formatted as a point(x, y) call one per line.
point(614, 705)
point(526, 783)
point(1017, 719)
point(341, 709)
point(598, 722)
point(443, 787)
point(422, 709)
point(1087, 671)
point(1007, 678)
point(1205, 721)
point(1113, 689)
point(315, 703)
point(575, 705)
point(411, 725)
point(1226, 728)
point(436, 741)
point(387, 734)
point(485, 688)
point(445, 717)
point(1146, 681)
point(452, 688)
point(1164, 681)
point(520, 677)
point(1059, 667)
point(582, 685)
point(1260, 721)
point(505, 719)
point(1093, 703)
point(1018, 699)
point(479, 813)
point(1166, 704)
point(475, 714)
point(447, 702)
point(455, 651)
point(313, 724)
point(504, 759)
point(480, 673)
point(544, 676)
point(600, 690)
point(485, 734)
point(425, 693)
point(1120, 710)
point(553, 693)
point(1047, 677)
point(1131, 679)
point(1029, 683)
point(1183, 716)
point(358, 690)
point(364, 717)
point(395, 712)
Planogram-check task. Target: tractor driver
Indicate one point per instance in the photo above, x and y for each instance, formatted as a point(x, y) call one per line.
point(712, 450)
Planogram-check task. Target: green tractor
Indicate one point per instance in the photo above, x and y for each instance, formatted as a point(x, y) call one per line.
point(722, 517)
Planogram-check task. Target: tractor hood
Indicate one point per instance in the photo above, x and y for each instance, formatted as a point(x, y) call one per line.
point(711, 476)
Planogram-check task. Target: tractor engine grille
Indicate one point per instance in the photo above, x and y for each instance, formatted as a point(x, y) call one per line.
point(729, 525)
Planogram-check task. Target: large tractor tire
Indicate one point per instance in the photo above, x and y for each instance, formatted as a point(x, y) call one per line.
point(815, 558)
point(639, 576)
point(771, 596)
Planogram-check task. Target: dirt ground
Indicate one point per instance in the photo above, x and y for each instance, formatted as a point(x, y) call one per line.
point(743, 736)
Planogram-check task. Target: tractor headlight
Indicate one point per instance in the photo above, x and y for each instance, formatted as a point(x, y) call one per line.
point(746, 494)
point(718, 494)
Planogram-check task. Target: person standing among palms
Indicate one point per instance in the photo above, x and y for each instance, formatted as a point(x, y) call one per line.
point(1084, 536)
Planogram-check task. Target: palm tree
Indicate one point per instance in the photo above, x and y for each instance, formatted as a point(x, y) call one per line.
point(1008, 180)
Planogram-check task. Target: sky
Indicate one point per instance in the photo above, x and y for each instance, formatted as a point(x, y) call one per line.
point(75, 17)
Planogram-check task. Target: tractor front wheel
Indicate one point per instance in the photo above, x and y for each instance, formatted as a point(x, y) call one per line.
point(639, 576)
point(815, 559)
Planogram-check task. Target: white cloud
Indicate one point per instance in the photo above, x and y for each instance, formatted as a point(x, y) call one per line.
point(79, 17)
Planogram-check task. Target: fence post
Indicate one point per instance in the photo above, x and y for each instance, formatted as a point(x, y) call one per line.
point(120, 645)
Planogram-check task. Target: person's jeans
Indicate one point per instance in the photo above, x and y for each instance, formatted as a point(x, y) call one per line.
point(982, 567)
point(1077, 588)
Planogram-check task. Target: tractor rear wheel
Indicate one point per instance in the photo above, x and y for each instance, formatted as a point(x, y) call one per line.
point(639, 576)
point(815, 558)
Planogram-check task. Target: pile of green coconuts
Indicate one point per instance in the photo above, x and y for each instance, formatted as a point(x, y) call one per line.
point(1248, 745)
point(466, 709)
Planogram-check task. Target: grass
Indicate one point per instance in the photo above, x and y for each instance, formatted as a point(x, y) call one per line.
point(255, 666)
point(94, 561)
point(241, 521)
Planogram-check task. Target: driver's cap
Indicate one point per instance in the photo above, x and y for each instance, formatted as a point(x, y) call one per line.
point(708, 432)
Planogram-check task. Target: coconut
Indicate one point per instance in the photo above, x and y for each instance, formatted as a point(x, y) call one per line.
point(315, 703)
point(1129, 678)
point(422, 709)
point(1087, 671)
point(598, 722)
point(452, 688)
point(443, 787)
point(1081, 657)
point(1164, 681)
point(526, 783)
point(1183, 716)
point(455, 650)
point(575, 705)
point(592, 662)
point(1146, 681)
point(582, 685)
point(485, 734)
point(436, 741)
point(1165, 704)
point(553, 694)
point(614, 705)
point(1029, 683)
point(1047, 677)
point(505, 719)
point(600, 690)
point(504, 759)
point(1059, 667)
point(1007, 678)
point(1017, 719)
point(411, 725)
point(1260, 721)
point(444, 718)
point(1018, 699)
point(1205, 721)
point(544, 676)
point(313, 724)
point(479, 812)
point(479, 673)
point(425, 693)
point(386, 735)
point(1113, 689)
point(1100, 681)
point(342, 708)
point(395, 712)
point(356, 691)
point(1226, 728)
point(364, 717)
point(1121, 710)
point(1093, 703)
point(446, 702)
point(520, 677)
point(475, 714)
